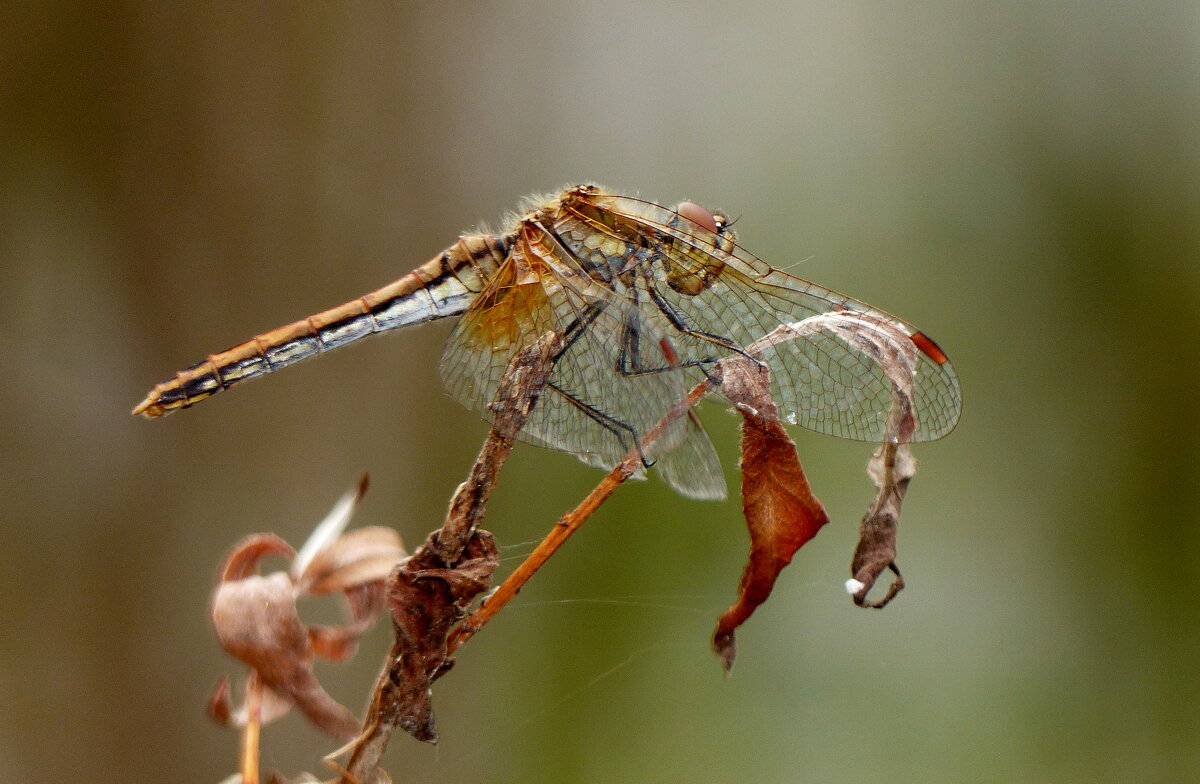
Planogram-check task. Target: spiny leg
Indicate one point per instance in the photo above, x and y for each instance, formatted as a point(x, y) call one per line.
point(679, 322)
point(622, 431)
point(625, 434)
point(629, 356)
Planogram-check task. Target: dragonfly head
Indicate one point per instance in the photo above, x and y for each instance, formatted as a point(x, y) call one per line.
point(713, 221)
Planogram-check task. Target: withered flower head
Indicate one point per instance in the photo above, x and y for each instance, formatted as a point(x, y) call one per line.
point(257, 620)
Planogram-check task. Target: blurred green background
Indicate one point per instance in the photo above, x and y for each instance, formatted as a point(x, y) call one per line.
point(1021, 180)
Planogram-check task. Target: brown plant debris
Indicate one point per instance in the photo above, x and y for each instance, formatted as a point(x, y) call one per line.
point(431, 592)
point(426, 599)
point(780, 509)
point(890, 468)
point(257, 619)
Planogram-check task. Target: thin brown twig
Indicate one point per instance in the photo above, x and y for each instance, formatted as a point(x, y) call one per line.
point(570, 523)
point(253, 729)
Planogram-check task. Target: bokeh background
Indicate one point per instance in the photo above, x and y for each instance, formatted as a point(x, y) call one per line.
point(1022, 180)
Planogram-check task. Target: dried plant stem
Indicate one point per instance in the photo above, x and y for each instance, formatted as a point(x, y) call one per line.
point(252, 730)
point(558, 535)
point(458, 558)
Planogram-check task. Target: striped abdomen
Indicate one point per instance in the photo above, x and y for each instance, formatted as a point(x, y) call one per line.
point(442, 287)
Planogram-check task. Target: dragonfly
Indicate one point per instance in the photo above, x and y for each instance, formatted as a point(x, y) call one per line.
point(646, 299)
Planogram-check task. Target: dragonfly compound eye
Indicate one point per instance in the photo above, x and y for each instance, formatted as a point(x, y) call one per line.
point(698, 215)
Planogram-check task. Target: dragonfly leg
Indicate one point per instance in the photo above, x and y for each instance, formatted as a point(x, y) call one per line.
point(622, 431)
point(575, 330)
point(629, 354)
point(679, 322)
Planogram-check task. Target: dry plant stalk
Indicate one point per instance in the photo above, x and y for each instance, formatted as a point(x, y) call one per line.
point(570, 522)
point(430, 592)
point(249, 762)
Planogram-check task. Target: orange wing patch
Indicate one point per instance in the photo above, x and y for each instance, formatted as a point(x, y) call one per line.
point(514, 308)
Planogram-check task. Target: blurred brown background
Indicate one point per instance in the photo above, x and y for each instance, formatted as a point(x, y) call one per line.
point(1021, 180)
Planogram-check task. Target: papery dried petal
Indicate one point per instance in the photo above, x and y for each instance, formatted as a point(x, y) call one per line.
point(366, 602)
point(329, 529)
point(271, 707)
point(220, 704)
point(338, 643)
point(360, 556)
point(244, 556)
point(335, 643)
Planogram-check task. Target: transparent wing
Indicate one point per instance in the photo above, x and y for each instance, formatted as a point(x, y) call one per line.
point(591, 408)
point(723, 294)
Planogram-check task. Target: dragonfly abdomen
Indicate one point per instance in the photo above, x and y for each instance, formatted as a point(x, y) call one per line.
point(442, 287)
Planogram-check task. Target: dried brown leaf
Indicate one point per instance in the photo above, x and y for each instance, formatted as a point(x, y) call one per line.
point(780, 509)
point(426, 599)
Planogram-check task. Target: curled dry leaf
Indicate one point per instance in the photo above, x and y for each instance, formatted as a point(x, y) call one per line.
point(890, 468)
point(892, 465)
point(257, 620)
point(781, 511)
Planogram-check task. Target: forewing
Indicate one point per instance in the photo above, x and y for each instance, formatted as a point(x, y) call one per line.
point(818, 382)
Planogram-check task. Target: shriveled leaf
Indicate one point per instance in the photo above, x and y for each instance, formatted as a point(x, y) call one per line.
point(426, 599)
point(890, 468)
point(360, 556)
point(781, 511)
point(256, 621)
